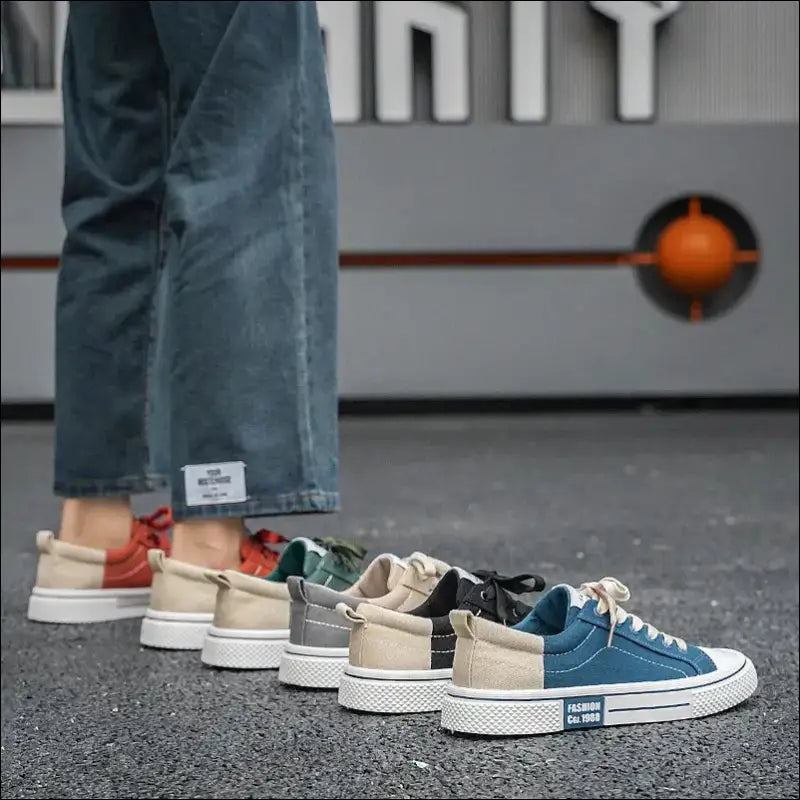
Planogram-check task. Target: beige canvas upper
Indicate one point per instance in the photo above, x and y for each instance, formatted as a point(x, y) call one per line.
point(409, 582)
point(68, 566)
point(386, 639)
point(249, 603)
point(491, 656)
point(382, 576)
point(180, 587)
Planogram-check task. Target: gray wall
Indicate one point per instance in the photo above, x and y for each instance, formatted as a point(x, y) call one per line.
point(37, 17)
point(491, 185)
point(718, 62)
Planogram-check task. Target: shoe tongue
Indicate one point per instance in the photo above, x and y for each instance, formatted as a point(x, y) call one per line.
point(448, 594)
point(382, 574)
point(313, 556)
point(397, 568)
point(466, 584)
point(557, 609)
point(300, 557)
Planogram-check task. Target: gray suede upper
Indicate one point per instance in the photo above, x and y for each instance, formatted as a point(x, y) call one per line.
point(314, 621)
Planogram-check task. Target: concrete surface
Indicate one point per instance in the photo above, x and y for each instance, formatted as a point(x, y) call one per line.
point(698, 514)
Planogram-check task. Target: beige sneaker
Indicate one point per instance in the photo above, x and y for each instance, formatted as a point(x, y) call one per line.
point(250, 622)
point(251, 616)
point(181, 605)
point(317, 651)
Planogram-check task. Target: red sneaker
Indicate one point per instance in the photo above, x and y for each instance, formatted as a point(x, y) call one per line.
point(88, 584)
point(257, 558)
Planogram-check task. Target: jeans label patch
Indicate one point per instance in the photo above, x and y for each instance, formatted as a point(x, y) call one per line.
point(583, 712)
point(213, 484)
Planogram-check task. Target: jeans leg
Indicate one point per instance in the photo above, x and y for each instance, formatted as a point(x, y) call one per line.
point(252, 265)
point(114, 137)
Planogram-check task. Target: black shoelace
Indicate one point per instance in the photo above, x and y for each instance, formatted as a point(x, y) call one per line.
point(497, 589)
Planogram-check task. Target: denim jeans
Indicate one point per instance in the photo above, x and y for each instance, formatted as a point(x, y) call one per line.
point(196, 311)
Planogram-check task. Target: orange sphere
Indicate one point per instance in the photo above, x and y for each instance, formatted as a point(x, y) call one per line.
point(696, 254)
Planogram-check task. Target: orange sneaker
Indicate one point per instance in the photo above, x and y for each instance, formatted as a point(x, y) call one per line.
point(182, 603)
point(87, 584)
point(257, 557)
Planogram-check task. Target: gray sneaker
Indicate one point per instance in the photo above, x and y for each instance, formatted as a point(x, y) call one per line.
point(317, 651)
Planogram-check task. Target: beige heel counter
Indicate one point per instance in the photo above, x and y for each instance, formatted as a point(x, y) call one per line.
point(383, 639)
point(491, 656)
point(465, 647)
point(240, 609)
point(180, 587)
point(66, 566)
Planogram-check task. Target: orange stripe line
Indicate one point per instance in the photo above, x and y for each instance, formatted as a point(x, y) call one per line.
point(419, 259)
point(446, 259)
point(29, 262)
point(473, 259)
point(643, 258)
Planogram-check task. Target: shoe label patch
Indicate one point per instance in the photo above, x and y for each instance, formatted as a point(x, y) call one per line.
point(583, 712)
point(213, 484)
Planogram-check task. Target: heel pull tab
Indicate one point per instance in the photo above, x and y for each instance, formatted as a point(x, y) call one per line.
point(219, 579)
point(155, 558)
point(44, 541)
point(350, 615)
point(463, 623)
point(297, 589)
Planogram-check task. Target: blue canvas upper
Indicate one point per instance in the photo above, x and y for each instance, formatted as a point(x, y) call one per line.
point(576, 651)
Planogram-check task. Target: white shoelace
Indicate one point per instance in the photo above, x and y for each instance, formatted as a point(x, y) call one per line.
point(608, 592)
point(426, 566)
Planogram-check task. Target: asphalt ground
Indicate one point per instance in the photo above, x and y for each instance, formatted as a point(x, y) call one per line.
point(696, 513)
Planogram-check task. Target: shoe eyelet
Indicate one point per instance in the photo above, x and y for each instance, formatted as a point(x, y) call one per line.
point(596, 612)
point(483, 595)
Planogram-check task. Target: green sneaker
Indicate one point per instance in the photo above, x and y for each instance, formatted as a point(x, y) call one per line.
point(331, 562)
point(251, 615)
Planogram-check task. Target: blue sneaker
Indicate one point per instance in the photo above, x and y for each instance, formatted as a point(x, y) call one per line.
point(578, 660)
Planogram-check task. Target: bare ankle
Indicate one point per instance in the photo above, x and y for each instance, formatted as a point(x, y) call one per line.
point(211, 543)
point(103, 522)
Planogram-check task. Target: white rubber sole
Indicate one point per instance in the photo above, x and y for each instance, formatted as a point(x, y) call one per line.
point(312, 667)
point(173, 630)
point(390, 691)
point(508, 713)
point(230, 648)
point(86, 605)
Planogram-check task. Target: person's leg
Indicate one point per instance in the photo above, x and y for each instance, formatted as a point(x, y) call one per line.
point(252, 262)
point(114, 82)
point(251, 269)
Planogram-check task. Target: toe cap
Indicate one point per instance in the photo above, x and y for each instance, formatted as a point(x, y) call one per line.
point(725, 660)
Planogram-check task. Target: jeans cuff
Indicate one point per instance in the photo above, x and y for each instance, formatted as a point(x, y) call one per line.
point(117, 487)
point(309, 502)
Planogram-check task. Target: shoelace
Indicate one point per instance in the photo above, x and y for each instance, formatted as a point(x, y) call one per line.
point(499, 587)
point(608, 592)
point(266, 537)
point(426, 566)
point(151, 530)
point(160, 519)
point(347, 555)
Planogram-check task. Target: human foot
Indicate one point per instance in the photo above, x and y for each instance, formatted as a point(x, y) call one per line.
point(182, 603)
